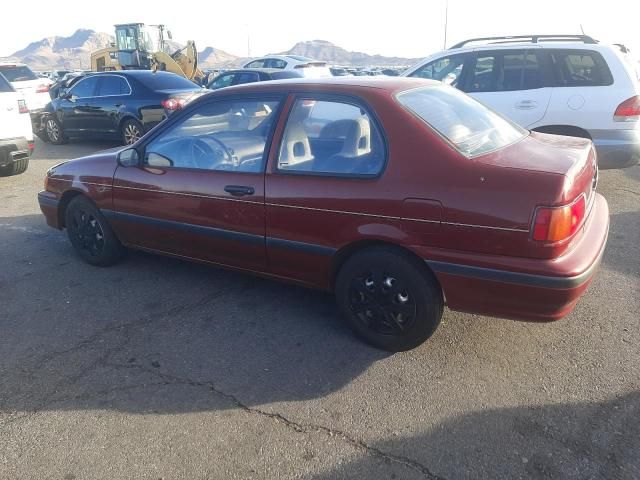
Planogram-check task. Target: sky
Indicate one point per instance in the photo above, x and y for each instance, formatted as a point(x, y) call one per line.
point(398, 28)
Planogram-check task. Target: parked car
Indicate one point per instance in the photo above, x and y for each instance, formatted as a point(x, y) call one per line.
point(250, 75)
point(123, 104)
point(567, 85)
point(307, 66)
point(33, 89)
point(394, 193)
point(339, 72)
point(16, 137)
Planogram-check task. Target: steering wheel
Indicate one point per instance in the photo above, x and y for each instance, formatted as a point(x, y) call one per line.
point(206, 157)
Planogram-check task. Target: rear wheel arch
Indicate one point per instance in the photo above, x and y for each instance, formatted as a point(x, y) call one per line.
point(568, 130)
point(346, 252)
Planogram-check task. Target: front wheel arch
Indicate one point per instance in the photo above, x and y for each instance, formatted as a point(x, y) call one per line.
point(64, 203)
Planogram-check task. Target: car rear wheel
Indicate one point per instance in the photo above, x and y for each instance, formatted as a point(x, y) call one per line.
point(390, 300)
point(16, 168)
point(90, 233)
point(54, 132)
point(131, 132)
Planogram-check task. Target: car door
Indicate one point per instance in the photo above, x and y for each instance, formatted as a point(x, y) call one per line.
point(325, 169)
point(76, 110)
point(113, 91)
point(199, 189)
point(512, 82)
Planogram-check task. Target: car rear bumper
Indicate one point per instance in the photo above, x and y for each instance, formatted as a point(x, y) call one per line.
point(617, 148)
point(511, 291)
point(14, 149)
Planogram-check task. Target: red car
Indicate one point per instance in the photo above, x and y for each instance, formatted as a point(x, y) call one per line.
point(400, 195)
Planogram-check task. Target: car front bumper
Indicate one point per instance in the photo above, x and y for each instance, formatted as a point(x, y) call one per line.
point(14, 149)
point(617, 148)
point(528, 289)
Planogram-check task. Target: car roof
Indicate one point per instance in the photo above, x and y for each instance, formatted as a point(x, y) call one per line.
point(339, 85)
point(12, 64)
point(253, 70)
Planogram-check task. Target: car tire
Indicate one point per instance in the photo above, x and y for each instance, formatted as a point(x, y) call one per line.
point(42, 135)
point(54, 131)
point(90, 233)
point(16, 168)
point(388, 298)
point(131, 131)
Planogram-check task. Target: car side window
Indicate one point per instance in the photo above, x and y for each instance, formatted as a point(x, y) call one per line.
point(228, 135)
point(446, 70)
point(246, 77)
point(111, 85)
point(581, 68)
point(84, 88)
point(222, 81)
point(256, 64)
point(484, 74)
point(332, 138)
point(275, 63)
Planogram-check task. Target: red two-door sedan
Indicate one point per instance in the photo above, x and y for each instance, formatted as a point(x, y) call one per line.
point(397, 194)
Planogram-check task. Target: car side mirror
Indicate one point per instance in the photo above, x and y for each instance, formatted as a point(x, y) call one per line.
point(129, 158)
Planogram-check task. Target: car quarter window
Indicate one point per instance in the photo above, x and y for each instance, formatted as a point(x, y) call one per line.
point(84, 88)
point(580, 68)
point(331, 137)
point(226, 135)
point(110, 85)
point(445, 69)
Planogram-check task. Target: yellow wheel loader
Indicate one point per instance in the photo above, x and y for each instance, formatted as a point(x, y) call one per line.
point(142, 47)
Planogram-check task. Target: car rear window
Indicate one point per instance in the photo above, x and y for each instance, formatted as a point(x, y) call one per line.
point(467, 124)
point(5, 86)
point(17, 73)
point(167, 81)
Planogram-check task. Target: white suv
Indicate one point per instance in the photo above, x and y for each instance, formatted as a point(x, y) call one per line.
point(16, 136)
point(563, 84)
point(34, 89)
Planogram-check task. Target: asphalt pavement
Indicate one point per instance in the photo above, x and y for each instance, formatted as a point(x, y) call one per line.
point(157, 368)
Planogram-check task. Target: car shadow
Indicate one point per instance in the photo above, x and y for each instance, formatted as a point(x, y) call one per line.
point(76, 335)
point(568, 441)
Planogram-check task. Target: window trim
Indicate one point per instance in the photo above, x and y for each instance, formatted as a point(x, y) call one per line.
point(175, 118)
point(337, 98)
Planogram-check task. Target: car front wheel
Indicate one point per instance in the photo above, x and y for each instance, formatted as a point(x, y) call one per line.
point(389, 299)
point(90, 233)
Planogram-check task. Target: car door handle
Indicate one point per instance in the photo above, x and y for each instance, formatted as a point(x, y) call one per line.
point(239, 190)
point(526, 105)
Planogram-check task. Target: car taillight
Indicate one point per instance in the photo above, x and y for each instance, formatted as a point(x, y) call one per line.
point(42, 88)
point(554, 224)
point(22, 106)
point(628, 111)
point(32, 146)
point(174, 103)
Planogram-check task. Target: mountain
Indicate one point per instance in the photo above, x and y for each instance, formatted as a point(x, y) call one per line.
point(215, 58)
point(335, 55)
point(75, 51)
point(63, 52)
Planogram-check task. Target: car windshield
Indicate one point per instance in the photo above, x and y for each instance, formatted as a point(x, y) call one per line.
point(470, 126)
point(167, 81)
point(5, 86)
point(17, 73)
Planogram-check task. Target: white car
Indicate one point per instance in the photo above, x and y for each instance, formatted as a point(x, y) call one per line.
point(306, 66)
point(16, 136)
point(562, 84)
point(33, 89)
